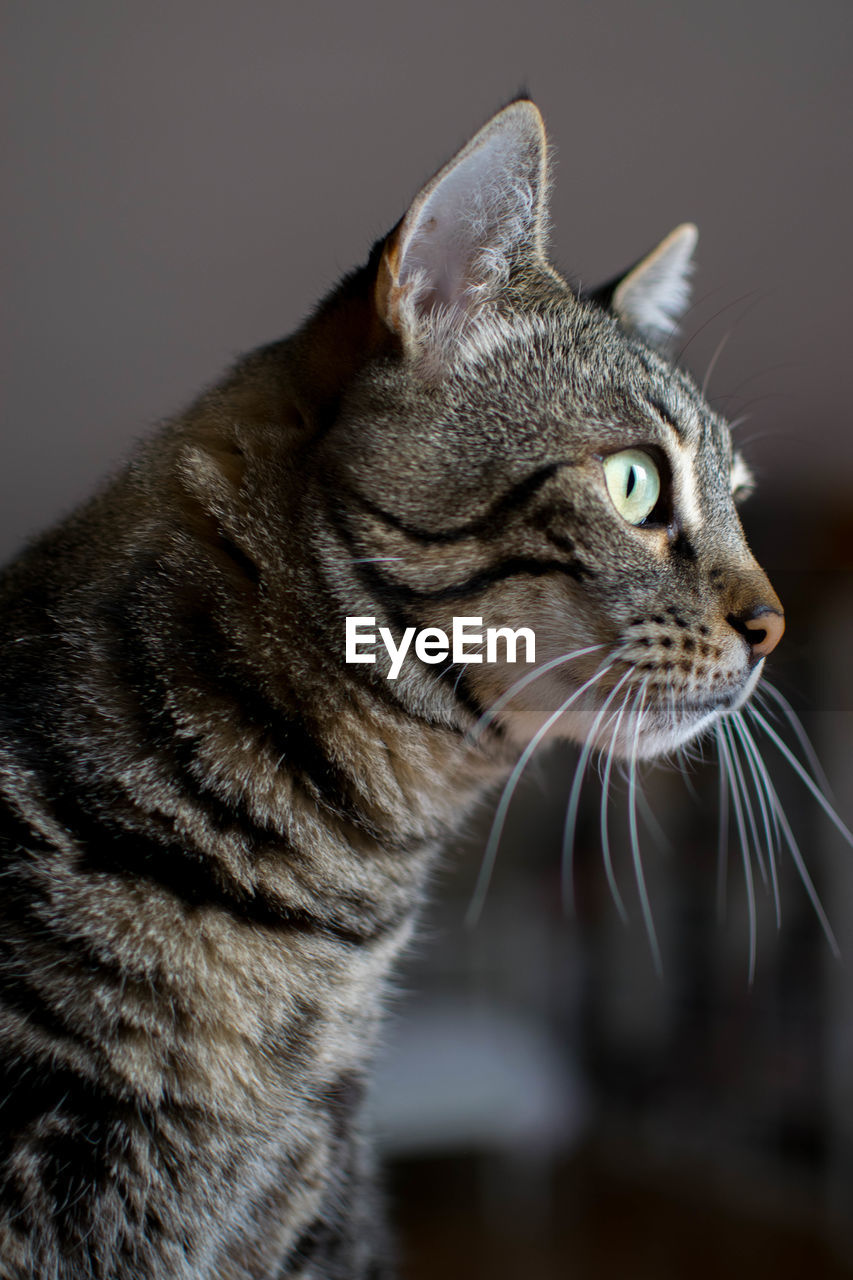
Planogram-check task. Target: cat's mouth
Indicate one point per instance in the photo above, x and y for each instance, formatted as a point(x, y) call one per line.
point(641, 720)
point(664, 726)
point(633, 718)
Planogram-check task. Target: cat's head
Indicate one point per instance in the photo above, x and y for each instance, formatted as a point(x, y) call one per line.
point(522, 454)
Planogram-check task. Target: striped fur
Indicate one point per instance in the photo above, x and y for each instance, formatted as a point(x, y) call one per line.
point(215, 833)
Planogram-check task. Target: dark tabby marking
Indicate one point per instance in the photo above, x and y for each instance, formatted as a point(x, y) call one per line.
point(215, 833)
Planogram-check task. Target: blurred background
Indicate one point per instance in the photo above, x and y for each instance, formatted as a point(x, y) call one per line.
point(182, 182)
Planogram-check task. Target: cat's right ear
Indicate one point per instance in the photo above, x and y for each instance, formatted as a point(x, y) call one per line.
point(479, 217)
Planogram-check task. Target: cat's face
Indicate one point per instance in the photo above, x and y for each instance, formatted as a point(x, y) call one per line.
point(532, 460)
point(502, 492)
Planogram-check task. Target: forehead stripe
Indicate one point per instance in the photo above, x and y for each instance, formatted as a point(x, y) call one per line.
point(662, 412)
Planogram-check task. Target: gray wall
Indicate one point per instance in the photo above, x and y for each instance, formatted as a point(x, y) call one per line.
point(182, 181)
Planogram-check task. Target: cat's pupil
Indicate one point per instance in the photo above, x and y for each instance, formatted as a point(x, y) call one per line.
point(632, 480)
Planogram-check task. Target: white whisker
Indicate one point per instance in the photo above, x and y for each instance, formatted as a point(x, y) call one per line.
point(574, 798)
point(768, 817)
point(725, 745)
point(649, 817)
point(645, 904)
point(801, 773)
point(683, 761)
point(605, 838)
point(744, 297)
point(718, 351)
point(802, 737)
point(723, 830)
point(797, 856)
point(461, 665)
point(488, 862)
point(524, 681)
point(747, 802)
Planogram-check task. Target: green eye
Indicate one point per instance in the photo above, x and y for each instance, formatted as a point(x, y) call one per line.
point(633, 482)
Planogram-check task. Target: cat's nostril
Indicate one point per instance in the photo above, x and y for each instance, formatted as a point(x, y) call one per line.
point(762, 629)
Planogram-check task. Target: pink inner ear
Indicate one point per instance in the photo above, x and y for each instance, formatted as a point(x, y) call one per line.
point(479, 213)
point(655, 294)
point(441, 259)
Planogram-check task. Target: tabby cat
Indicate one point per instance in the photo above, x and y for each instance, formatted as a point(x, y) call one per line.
point(216, 831)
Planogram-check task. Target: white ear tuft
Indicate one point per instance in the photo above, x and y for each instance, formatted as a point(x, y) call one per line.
point(480, 215)
point(654, 295)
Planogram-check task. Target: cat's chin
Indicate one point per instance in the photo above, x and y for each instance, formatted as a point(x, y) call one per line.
point(657, 741)
point(660, 731)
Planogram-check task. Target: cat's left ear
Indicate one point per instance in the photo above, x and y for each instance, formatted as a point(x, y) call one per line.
point(479, 217)
point(653, 296)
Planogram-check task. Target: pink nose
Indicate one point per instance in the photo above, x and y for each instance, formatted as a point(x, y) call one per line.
point(763, 630)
